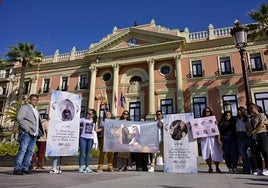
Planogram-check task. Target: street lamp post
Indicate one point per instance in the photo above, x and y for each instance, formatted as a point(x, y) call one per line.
point(239, 34)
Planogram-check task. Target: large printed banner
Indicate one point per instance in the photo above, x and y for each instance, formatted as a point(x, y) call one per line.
point(130, 136)
point(204, 127)
point(63, 127)
point(179, 144)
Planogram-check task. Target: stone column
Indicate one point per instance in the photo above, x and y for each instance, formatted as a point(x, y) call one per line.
point(114, 106)
point(151, 63)
point(180, 100)
point(93, 70)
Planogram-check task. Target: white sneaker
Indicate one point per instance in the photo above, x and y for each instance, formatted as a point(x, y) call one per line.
point(265, 172)
point(257, 173)
point(53, 171)
point(151, 169)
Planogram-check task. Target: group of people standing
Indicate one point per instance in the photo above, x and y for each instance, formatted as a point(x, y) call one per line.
point(238, 135)
point(244, 136)
point(33, 131)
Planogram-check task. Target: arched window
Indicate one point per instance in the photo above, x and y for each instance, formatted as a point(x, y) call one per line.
point(135, 79)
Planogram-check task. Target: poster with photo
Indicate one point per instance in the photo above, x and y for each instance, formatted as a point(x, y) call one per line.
point(130, 136)
point(204, 127)
point(179, 145)
point(63, 127)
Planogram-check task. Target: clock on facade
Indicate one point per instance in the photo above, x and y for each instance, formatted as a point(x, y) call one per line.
point(132, 42)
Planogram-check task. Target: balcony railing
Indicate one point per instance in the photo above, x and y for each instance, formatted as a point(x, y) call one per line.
point(196, 75)
point(226, 72)
point(255, 69)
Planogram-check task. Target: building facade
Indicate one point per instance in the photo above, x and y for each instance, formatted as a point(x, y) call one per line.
point(150, 67)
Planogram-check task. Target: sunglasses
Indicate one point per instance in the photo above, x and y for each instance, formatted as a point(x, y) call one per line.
point(207, 111)
point(125, 113)
point(158, 114)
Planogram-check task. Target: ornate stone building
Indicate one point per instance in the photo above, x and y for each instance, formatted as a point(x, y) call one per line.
point(152, 67)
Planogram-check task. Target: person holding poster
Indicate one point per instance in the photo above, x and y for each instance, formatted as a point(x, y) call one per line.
point(86, 140)
point(159, 117)
point(229, 141)
point(122, 160)
point(100, 130)
point(211, 146)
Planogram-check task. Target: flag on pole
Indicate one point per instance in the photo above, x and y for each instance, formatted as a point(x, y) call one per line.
point(106, 101)
point(101, 100)
point(122, 100)
point(115, 99)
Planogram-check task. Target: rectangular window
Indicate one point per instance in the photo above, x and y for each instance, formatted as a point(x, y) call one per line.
point(262, 101)
point(42, 113)
point(135, 111)
point(199, 104)
point(83, 81)
point(83, 112)
point(166, 106)
point(46, 85)
point(26, 87)
point(230, 104)
point(256, 62)
point(197, 69)
point(64, 84)
point(103, 109)
point(225, 66)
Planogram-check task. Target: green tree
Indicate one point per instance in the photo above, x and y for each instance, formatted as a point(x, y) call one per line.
point(261, 17)
point(26, 54)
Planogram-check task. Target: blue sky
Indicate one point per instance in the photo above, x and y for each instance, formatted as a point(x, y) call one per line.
point(62, 24)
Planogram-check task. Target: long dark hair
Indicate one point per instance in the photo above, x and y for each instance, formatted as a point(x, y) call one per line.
point(204, 111)
point(94, 113)
point(244, 115)
point(122, 115)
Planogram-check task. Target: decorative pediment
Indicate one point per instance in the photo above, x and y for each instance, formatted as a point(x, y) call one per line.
point(135, 38)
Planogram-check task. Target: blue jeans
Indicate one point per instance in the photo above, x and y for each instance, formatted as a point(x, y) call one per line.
point(85, 145)
point(26, 150)
point(230, 151)
point(243, 144)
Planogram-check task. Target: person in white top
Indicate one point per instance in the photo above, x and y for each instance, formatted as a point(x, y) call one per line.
point(86, 140)
point(159, 117)
point(211, 147)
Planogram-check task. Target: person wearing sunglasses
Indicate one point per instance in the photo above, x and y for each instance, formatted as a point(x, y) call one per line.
point(211, 147)
point(86, 140)
point(159, 118)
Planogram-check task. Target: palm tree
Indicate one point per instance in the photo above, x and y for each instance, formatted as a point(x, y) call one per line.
point(27, 55)
point(261, 17)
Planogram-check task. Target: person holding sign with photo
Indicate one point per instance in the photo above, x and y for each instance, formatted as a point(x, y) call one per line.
point(100, 130)
point(211, 146)
point(86, 140)
point(159, 117)
point(229, 141)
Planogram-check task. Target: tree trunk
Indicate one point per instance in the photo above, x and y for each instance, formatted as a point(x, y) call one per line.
point(22, 78)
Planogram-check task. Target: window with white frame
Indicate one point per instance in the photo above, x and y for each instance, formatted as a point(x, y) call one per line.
point(26, 87)
point(64, 84)
point(225, 65)
point(46, 85)
point(262, 101)
point(197, 70)
point(230, 104)
point(199, 104)
point(166, 106)
point(83, 81)
point(135, 111)
point(256, 62)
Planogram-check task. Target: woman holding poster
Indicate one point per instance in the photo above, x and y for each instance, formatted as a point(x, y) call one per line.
point(86, 140)
point(211, 147)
